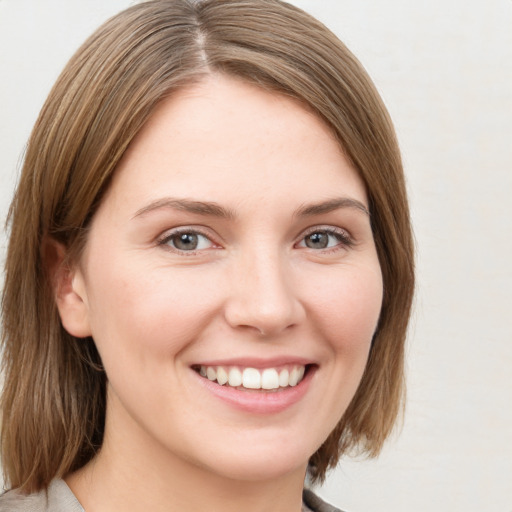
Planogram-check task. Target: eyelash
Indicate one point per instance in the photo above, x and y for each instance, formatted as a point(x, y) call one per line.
point(167, 237)
point(343, 237)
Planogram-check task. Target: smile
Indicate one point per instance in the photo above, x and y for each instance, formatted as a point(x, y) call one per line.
point(252, 378)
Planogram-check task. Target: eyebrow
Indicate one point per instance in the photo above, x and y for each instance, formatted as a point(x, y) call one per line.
point(211, 209)
point(331, 205)
point(206, 208)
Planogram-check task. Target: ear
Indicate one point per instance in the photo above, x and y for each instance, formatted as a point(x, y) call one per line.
point(69, 289)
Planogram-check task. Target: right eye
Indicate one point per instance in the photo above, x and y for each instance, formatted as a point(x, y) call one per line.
point(187, 241)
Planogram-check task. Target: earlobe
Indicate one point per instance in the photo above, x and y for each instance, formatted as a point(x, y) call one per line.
point(69, 289)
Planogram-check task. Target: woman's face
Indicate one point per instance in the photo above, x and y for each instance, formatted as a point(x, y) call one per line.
point(233, 251)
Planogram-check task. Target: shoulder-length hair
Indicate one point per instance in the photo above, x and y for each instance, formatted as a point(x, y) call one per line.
point(53, 402)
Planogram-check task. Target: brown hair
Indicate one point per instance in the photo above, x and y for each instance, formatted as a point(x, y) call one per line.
point(53, 403)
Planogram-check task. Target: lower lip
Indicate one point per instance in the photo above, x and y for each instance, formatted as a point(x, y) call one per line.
point(259, 401)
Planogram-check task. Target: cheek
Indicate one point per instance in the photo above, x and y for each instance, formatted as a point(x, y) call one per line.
point(345, 307)
point(149, 313)
point(348, 306)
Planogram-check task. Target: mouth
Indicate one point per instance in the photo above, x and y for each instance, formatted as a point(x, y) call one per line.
point(256, 386)
point(272, 379)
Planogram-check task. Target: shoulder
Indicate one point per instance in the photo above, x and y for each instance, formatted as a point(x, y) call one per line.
point(58, 498)
point(13, 501)
point(316, 504)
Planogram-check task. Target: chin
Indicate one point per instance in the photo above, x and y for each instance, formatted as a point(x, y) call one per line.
point(256, 468)
point(252, 461)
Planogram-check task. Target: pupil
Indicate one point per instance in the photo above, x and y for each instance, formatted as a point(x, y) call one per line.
point(186, 242)
point(317, 241)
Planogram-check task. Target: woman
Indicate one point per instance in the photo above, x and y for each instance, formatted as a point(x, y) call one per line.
point(210, 270)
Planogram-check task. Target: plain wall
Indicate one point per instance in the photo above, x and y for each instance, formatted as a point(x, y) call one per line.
point(444, 69)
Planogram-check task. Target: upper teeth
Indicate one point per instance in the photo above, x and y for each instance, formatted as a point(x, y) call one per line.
point(252, 378)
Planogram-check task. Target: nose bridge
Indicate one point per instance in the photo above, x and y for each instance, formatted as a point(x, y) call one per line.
point(262, 292)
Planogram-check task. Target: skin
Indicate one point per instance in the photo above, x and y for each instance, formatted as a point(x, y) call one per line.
point(252, 290)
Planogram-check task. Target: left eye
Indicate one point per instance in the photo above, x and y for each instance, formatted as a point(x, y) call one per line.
point(188, 241)
point(324, 239)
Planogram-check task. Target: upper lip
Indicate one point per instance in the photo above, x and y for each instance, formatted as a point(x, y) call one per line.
point(257, 362)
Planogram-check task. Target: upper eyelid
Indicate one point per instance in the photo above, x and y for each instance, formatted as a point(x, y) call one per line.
point(331, 229)
point(200, 230)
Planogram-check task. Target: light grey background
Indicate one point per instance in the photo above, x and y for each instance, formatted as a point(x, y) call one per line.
point(444, 68)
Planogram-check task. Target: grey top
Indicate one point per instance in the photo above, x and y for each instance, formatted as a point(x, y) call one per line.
point(60, 499)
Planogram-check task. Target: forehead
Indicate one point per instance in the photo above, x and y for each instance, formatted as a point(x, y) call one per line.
point(225, 136)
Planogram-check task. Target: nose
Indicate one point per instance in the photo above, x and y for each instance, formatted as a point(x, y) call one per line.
point(262, 297)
